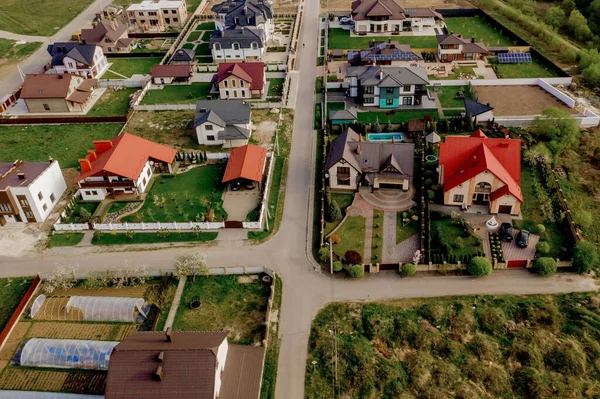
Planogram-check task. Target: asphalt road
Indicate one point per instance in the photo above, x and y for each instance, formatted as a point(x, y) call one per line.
point(305, 289)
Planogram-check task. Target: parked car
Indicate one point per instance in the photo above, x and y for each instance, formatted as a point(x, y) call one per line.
point(345, 21)
point(523, 238)
point(506, 232)
point(249, 185)
point(235, 186)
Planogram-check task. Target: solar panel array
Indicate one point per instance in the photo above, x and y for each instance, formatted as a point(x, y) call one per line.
point(396, 56)
point(513, 58)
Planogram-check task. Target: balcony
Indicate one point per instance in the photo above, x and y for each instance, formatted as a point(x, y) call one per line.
point(104, 184)
point(420, 90)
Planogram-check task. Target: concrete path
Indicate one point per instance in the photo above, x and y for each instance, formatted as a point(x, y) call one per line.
point(25, 38)
point(368, 214)
point(396, 252)
point(86, 241)
point(175, 303)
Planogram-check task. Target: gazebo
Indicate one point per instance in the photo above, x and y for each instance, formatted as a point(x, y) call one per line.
point(246, 163)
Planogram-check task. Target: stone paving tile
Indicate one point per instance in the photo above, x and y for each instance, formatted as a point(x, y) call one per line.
point(368, 214)
point(396, 253)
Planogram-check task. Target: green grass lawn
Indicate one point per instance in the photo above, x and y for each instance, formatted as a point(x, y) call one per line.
point(64, 239)
point(153, 238)
point(74, 217)
point(393, 116)
point(405, 232)
point(11, 51)
point(193, 36)
point(182, 195)
point(38, 17)
point(377, 237)
point(453, 112)
point(344, 201)
point(277, 178)
point(443, 230)
point(524, 70)
point(227, 304)
point(192, 5)
point(340, 39)
point(352, 233)
point(11, 292)
point(275, 87)
point(65, 143)
point(203, 49)
point(178, 94)
point(206, 36)
point(269, 379)
point(113, 103)
point(480, 29)
point(418, 348)
point(210, 26)
point(130, 66)
point(334, 107)
point(447, 94)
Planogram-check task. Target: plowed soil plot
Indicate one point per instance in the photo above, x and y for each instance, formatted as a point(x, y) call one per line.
point(518, 100)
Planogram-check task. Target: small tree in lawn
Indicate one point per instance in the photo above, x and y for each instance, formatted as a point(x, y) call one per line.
point(333, 212)
point(84, 214)
point(479, 266)
point(130, 234)
point(376, 126)
point(324, 254)
point(352, 257)
point(335, 239)
point(337, 266)
point(543, 248)
point(545, 266)
point(408, 269)
point(196, 231)
point(191, 264)
point(585, 256)
point(356, 271)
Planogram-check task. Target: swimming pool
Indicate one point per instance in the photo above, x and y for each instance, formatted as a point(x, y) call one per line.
point(384, 137)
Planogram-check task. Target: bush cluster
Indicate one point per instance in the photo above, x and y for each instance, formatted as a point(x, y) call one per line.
point(479, 266)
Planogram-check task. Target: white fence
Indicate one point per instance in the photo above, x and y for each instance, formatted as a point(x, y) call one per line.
point(122, 83)
point(501, 82)
point(557, 93)
point(263, 105)
point(164, 107)
point(338, 85)
point(71, 226)
point(208, 68)
point(276, 67)
point(158, 225)
point(589, 119)
point(213, 271)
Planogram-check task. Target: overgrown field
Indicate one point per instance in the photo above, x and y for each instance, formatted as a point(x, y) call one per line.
point(460, 347)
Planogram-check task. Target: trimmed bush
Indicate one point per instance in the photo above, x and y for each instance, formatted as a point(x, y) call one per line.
point(352, 257)
point(324, 254)
point(428, 182)
point(429, 173)
point(540, 229)
point(585, 256)
point(337, 266)
point(335, 239)
point(408, 269)
point(333, 213)
point(430, 164)
point(543, 247)
point(545, 266)
point(479, 266)
point(356, 271)
point(430, 195)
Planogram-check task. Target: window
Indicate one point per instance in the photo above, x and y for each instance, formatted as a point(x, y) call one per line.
point(175, 19)
point(152, 13)
point(389, 90)
point(343, 175)
point(52, 198)
point(389, 101)
point(94, 192)
point(173, 11)
point(226, 93)
point(369, 100)
point(5, 207)
point(154, 22)
point(243, 93)
point(47, 107)
point(235, 46)
point(165, 11)
point(141, 13)
point(217, 47)
point(254, 46)
point(167, 20)
point(24, 202)
point(406, 88)
point(233, 83)
point(71, 65)
point(144, 181)
point(241, 83)
point(459, 198)
point(369, 89)
point(149, 171)
point(44, 207)
point(225, 83)
point(88, 193)
point(208, 127)
point(143, 21)
point(40, 196)
point(406, 100)
point(210, 137)
point(237, 56)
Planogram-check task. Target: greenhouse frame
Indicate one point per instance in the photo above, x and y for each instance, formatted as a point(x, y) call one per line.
point(99, 308)
point(67, 353)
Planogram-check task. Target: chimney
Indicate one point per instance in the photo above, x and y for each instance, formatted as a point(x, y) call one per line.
point(85, 165)
point(161, 357)
point(51, 160)
point(60, 76)
point(158, 374)
point(460, 35)
point(473, 39)
point(358, 149)
point(21, 176)
point(380, 73)
point(91, 155)
point(393, 140)
point(474, 159)
point(168, 334)
point(102, 145)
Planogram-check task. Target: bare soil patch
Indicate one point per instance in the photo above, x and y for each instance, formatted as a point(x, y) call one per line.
point(518, 100)
point(172, 128)
point(125, 292)
point(92, 331)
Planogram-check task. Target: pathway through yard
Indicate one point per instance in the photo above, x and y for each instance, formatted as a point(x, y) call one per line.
point(175, 303)
point(393, 252)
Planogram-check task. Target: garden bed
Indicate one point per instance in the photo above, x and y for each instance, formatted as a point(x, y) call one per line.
point(153, 238)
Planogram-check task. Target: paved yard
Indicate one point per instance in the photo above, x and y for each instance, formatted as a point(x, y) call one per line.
point(392, 252)
point(513, 252)
point(237, 204)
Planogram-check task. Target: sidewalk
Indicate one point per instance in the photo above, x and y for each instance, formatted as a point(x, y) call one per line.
point(175, 303)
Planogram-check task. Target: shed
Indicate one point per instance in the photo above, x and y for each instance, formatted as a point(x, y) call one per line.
point(246, 162)
point(342, 116)
point(165, 74)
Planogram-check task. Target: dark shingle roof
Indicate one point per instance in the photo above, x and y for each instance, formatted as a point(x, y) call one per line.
point(183, 55)
point(474, 108)
point(244, 36)
point(83, 53)
point(392, 76)
point(338, 114)
point(222, 112)
point(247, 12)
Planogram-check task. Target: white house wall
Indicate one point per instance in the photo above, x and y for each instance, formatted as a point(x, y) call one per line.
point(147, 175)
point(333, 177)
point(229, 54)
point(221, 358)
point(201, 133)
point(100, 195)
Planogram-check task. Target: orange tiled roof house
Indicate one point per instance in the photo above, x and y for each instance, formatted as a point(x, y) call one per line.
point(123, 165)
point(477, 170)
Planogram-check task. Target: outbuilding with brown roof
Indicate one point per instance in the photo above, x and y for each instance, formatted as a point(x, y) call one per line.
point(165, 74)
point(44, 93)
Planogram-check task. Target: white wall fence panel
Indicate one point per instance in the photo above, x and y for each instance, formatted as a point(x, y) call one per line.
point(557, 93)
point(263, 105)
point(213, 271)
point(164, 107)
point(208, 68)
point(343, 85)
point(501, 82)
point(122, 83)
point(158, 226)
point(71, 226)
point(276, 67)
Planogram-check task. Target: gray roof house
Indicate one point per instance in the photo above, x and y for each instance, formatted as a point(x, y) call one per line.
point(225, 122)
point(183, 56)
point(238, 44)
point(352, 162)
point(388, 86)
point(251, 13)
point(83, 53)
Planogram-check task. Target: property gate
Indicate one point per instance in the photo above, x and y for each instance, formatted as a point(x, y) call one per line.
point(232, 224)
point(388, 266)
point(516, 264)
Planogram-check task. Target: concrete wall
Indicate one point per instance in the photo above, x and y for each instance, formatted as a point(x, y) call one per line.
point(36, 105)
point(501, 82)
point(557, 93)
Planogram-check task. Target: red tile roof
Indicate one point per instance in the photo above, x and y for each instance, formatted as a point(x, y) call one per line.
point(125, 155)
point(251, 72)
point(246, 162)
point(170, 71)
point(465, 157)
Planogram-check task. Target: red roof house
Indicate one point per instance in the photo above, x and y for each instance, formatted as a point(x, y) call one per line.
point(477, 170)
point(240, 80)
point(123, 165)
point(246, 162)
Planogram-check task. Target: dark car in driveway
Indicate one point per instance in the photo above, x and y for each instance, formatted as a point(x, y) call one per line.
point(523, 239)
point(506, 232)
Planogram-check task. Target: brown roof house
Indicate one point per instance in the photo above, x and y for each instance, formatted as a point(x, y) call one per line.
point(240, 80)
point(379, 16)
point(184, 365)
point(166, 74)
point(46, 93)
point(455, 48)
point(111, 36)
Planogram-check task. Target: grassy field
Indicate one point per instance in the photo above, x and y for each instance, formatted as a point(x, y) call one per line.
point(38, 17)
point(447, 94)
point(515, 347)
point(393, 116)
point(181, 197)
point(267, 390)
point(334, 107)
point(178, 94)
point(192, 5)
point(227, 304)
point(65, 143)
point(480, 29)
point(13, 52)
point(11, 292)
point(195, 35)
point(340, 39)
point(64, 239)
point(203, 49)
point(130, 66)
point(172, 128)
point(524, 70)
point(344, 201)
point(113, 103)
point(153, 238)
point(405, 232)
point(377, 237)
point(352, 233)
point(275, 87)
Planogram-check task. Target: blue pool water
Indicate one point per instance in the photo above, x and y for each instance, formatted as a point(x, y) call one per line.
point(384, 137)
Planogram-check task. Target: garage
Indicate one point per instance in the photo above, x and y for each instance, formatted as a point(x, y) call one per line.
point(390, 185)
point(507, 209)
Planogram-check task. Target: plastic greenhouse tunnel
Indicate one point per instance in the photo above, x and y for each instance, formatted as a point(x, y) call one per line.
point(103, 308)
point(67, 353)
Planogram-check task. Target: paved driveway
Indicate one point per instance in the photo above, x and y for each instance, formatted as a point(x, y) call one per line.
point(237, 204)
point(513, 252)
